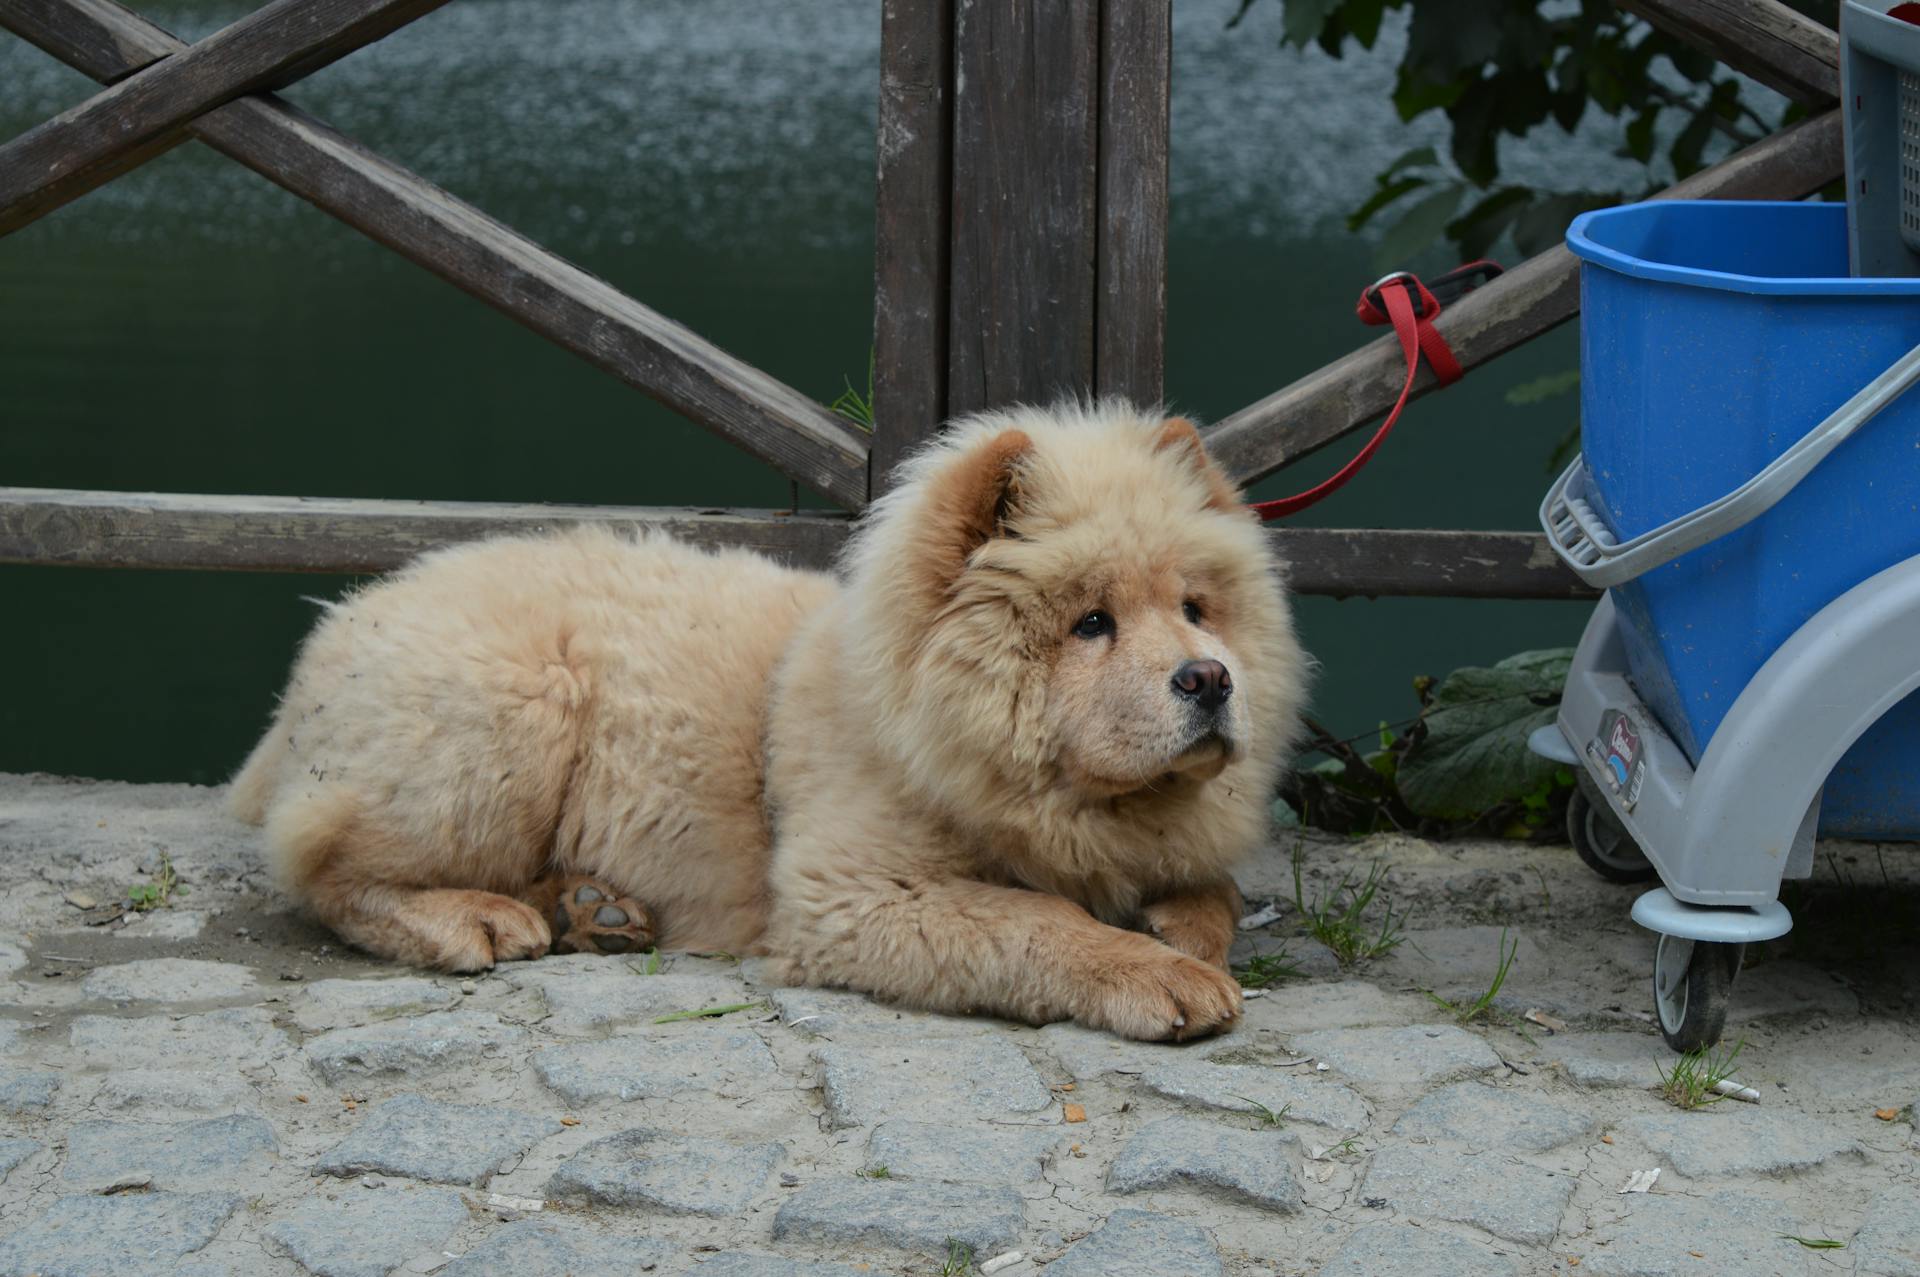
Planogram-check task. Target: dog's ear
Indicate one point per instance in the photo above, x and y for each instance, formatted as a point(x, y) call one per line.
point(1179, 437)
point(970, 499)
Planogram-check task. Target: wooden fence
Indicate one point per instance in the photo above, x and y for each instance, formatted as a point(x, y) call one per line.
point(1020, 254)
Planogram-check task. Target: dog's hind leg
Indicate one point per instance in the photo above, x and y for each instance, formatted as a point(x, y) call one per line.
point(393, 898)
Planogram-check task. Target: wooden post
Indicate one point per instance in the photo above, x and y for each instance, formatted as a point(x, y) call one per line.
point(1021, 245)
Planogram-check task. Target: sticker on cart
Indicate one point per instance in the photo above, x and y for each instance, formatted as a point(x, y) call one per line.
point(1617, 750)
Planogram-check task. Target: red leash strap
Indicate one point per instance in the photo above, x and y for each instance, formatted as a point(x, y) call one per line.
point(1402, 300)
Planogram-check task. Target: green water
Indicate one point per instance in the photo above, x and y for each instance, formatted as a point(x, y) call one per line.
point(192, 328)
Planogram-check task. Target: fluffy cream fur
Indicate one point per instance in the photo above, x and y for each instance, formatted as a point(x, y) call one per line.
point(917, 780)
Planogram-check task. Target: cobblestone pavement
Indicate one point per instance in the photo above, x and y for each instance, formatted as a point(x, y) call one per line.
point(218, 1087)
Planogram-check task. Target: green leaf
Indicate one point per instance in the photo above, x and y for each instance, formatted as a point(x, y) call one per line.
point(1476, 230)
point(1303, 20)
point(1418, 157)
point(1474, 755)
point(1640, 134)
point(1363, 20)
point(1387, 194)
point(1419, 228)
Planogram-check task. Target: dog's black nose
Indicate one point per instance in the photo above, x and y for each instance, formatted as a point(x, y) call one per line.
point(1205, 683)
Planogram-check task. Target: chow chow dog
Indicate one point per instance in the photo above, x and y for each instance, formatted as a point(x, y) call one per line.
point(1003, 762)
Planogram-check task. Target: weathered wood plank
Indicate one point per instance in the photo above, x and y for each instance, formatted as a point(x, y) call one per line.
point(1530, 299)
point(1357, 562)
point(911, 230)
point(103, 40)
point(86, 145)
point(1024, 192)
point(320, 534)
point(480, 256)
point(323, 534)
point(1130, 335)
point(1776, 45)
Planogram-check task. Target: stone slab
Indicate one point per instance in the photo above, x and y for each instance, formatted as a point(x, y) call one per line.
point(242, 1036)
point(834, 1013)
point(960, 1154)
point(647, 1168)
point(1497, 1118)
point(907, 1216)
point(163, 924)
point(146, 1092)
point(1729, 1139)
point(1091, 1053)
point(424, 1139)
point(219, 1152)
point(1600, 1060)
point(1303, 1008)
point(1257, 1167)
point(127, 1235)
point(337, 1004)
point(1416, 1056)
point(1137, 1243)
point(586, 994)
point(738, 1263)
point(27, 1090)
point(360, 1233)
point(1378, 1249)
point(13, 1151)
point(1491, 1191)
point(1672, 1235)
point(410, 1048)
point(551, 1248)
point(170, 980)
point(654, 1066)
point(1241, 1088)
point(1888, 1243)
point(986, 1077)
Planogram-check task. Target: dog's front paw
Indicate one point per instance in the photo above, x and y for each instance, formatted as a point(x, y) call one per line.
point(1170, 997)
point(1196, 933)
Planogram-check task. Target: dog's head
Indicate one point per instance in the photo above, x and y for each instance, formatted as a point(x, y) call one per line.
point(1072, 599)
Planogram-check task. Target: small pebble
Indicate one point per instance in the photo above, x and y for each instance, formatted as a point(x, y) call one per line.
point(81, 900)
point(469, 988)
point(789, 1180)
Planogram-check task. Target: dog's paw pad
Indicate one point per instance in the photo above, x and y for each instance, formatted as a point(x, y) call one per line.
point(590, 918)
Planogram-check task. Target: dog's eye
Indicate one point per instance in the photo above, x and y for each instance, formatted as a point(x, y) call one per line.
point(1191, 611)
point(1093, 625)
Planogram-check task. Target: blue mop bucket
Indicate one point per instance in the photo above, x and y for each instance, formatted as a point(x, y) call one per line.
point(1715, 335)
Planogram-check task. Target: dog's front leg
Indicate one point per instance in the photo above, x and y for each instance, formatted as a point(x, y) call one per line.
point(961, 946)
point(1199, 920)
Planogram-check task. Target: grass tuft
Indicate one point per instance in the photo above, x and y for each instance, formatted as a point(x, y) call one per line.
point(160, 891)
point(959, 1260)
point(1816, 1243)
point(1265, 970)
point(1689, 1084)
point(1265, 1115)
point(875, 1172)
point(1468, 1012)
point(853, 405)
point(1341, 927)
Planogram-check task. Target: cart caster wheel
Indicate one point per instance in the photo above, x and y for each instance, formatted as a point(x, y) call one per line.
point(1692, 980)
point(1602, 841)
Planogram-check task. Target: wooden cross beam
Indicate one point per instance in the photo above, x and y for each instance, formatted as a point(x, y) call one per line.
point(85, 146)
point(459, 243)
